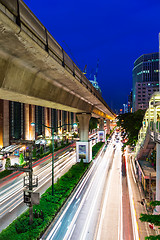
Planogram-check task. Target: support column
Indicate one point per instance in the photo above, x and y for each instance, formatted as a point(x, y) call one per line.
point(46, 121)
point(74, 118)
point(5, 123)
point(32, 128)
point(26, 117)
point(158, 176)
point(108, 126)
point(50, 120)
point(67, 126)
point(84, 146)
point(101, 132)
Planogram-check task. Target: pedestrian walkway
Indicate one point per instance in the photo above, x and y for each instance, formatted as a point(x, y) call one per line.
point(136, 197)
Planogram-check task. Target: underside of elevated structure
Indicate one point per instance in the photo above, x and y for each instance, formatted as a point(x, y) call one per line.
point(35, 69)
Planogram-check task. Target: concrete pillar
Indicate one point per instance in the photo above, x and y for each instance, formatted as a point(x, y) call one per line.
point(155, 118)
point(158, 175)
point(101, 124)
point(101, 132)
point(32, 120)
point(74, 118)
point(26, 118)
point(84, 125)
point(67, 122)
point(108, 126)
point(84, 146)
point(50, 120)
point(46, 122)
point(59, 121)
point(5, 123)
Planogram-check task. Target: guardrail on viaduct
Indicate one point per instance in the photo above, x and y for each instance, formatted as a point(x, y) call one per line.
point(18, 12)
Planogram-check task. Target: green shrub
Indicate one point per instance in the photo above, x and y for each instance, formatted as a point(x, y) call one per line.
point(8, 163)
point(96, 148)
point(41, 150)
point(21, 159)
point(49, 205)
point(5, 173)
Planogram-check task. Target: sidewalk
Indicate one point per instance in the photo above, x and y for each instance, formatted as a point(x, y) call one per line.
point(137, 196)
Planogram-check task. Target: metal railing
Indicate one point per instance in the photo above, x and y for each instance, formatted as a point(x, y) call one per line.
point(18, 12)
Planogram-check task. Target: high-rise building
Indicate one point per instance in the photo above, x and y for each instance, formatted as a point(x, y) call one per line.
point(130, 102)
point(145, 79)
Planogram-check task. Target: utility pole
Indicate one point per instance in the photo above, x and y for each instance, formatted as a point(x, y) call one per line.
point(30, 190)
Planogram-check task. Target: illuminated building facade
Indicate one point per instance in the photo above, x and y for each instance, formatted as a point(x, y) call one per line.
point(16, 119)
point(145, 79)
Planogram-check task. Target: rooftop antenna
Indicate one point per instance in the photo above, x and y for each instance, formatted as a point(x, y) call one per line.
point(85, 70)
point(95, 75)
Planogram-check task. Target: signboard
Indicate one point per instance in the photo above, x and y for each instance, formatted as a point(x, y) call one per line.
point(82, 152)
point(101, 136)
point(35, 198)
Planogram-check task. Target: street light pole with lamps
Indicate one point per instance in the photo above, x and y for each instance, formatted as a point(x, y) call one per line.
point(52, 132)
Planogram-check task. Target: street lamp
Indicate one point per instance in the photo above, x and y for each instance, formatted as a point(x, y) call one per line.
point(52, 132)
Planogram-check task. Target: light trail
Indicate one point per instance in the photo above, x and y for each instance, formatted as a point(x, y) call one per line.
point(133, 211)
point(63, 163)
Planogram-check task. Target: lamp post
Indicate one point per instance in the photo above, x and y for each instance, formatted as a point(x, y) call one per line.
point(52, 132)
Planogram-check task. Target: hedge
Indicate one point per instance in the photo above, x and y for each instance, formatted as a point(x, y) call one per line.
point(49, 205)
point(96, 148)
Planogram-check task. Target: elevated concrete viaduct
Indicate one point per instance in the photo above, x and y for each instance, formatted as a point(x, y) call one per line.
point(34, 68)
point(40, 73)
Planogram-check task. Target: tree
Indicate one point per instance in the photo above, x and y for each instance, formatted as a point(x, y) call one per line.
point(21, 159)
point(34, 153)
point(50, 148)
point(153, 219)
point(93, 123)
point(41, 150)
point(132, 123)
point(8, 163)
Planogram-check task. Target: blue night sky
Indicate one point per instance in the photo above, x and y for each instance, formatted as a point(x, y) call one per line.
point(115, 32)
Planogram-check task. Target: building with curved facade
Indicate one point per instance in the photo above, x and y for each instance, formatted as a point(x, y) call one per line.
point(145, 79)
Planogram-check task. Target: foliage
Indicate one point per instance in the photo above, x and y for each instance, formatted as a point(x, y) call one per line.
point(5, 173)
point(50, 148)
point(152, 158)
point(49, 205)
point(96, 148)
point(107, 136)
point(132, 123)
point(75, 135)
point(55, 144)
point(21, 159)
point(62, 142)
point(8, 163)
point(93, 123)
point(34, 153)
point(41, 150)
point(153, 219)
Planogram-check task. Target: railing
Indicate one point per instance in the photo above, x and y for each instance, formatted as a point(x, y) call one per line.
point(29, 23)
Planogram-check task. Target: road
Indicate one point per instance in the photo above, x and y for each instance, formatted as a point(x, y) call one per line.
point(95, 209)
point(80, 218)
point(11, 200)
point(11, 187)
